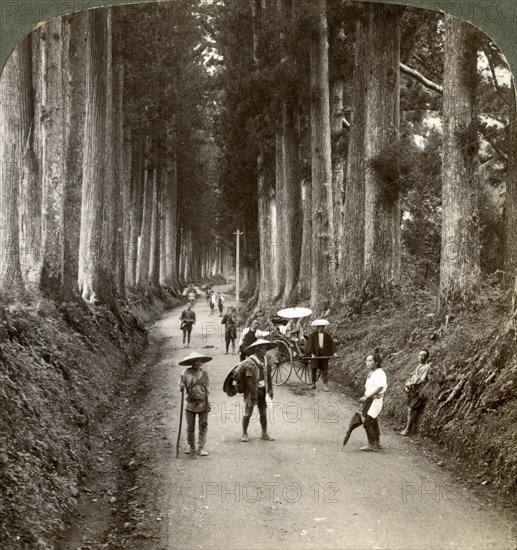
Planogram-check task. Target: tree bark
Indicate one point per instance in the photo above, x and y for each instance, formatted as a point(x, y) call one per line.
point(119, 181)
point(460, 257)
point(323, 257)
point(109, 199)
point(30, 184)
point(293, 214)
point(144, 249)
point(154, 266)
point(382, 203)
point(278, 210)
point(53, 158)
point(10, 157)
point(127, 189)
point(353, 223)
point(338, 165)
point(510, 207)
point(137, 162)
point(94, 173)
point(265, 222)
point(74, 72)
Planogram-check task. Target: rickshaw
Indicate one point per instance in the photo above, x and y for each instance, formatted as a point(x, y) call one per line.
point(284, 358)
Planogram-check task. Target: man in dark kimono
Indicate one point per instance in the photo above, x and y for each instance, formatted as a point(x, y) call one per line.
point(256, 371)
point(320, 344)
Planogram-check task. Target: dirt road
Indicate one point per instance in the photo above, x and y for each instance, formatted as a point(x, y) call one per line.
point(299, 491)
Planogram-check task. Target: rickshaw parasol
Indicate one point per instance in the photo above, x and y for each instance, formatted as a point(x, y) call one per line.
point(294, 312)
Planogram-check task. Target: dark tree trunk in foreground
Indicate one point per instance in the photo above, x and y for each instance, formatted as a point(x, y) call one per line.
point(382, 203)
point(90, 257)
point(460, 258)
point(510, 208)
point(119, 181)
point(74, 104)
point(293, 215)
point(353, 224)
point(323, 257)
point(10, 272)
point(52, 164)
point(30, 185)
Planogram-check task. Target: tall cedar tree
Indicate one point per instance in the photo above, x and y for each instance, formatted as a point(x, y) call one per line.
point(460, 263)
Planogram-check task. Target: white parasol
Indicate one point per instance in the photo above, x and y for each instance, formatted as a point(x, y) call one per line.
point(294, 312)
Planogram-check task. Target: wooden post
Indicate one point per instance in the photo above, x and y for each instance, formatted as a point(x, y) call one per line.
point(238, 233)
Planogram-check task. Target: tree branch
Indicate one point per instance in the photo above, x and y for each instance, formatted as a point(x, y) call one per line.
point(421, 78)
point(494, 77)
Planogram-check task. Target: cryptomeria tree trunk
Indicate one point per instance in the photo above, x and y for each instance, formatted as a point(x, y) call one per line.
point(135, 212)
point(30, 184)
point(74, 74)
point(382, 203)
point(353, 223)
point(109, 202)
point(460, 261)
point(293, 214)
point(338, 166)
point(277, 217)
point(265, 192)
point(154, 263)
point(144, 248)
point(94, 174)
point(119, 181)
point(53, 157)
point(510, 208)
point(10, 154)
point(292, 206)
point(323, 257)
point(127, 162)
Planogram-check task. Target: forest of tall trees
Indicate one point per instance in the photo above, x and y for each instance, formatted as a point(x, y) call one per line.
point(356, 146)
point(366, 154)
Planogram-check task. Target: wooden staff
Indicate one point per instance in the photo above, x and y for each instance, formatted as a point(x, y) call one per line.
point(181, 420)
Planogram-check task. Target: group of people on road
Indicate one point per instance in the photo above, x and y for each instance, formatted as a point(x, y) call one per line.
point(256, 371)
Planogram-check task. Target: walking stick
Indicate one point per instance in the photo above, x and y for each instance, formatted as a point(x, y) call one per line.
point(181, 420)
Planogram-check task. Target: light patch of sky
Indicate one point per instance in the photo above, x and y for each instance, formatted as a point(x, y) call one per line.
point(503, 75)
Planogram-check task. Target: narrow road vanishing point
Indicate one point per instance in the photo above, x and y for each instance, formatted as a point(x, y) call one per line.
point(300, 491)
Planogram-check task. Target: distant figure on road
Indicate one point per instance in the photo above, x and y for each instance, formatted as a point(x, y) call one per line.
point(208, 295)
point(191, 295)
point(194, 381)
point(320, 344)
point(188, 318)
point(415, 388)
point(257, 373)
point(212, 302)
point(248, 336)
point(220, 302)
point(375, 388)
point(230, 322)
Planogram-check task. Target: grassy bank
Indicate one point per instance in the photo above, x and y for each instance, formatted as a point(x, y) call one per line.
point(60, 366)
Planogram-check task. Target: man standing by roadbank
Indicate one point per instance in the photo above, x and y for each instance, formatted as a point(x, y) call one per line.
point(321, 347)
point(257, 374)
point(194, 381)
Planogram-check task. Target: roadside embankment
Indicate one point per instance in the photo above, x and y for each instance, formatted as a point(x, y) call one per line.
point(60, 367)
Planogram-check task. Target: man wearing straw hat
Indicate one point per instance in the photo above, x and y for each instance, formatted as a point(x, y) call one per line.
point(194, 380)
point(257, 373)
point(320, 344)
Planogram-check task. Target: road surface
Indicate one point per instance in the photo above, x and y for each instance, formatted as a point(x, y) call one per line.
point(301, 490)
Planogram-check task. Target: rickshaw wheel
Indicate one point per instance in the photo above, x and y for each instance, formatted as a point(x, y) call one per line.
point(302, 369)
point(282, 363)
